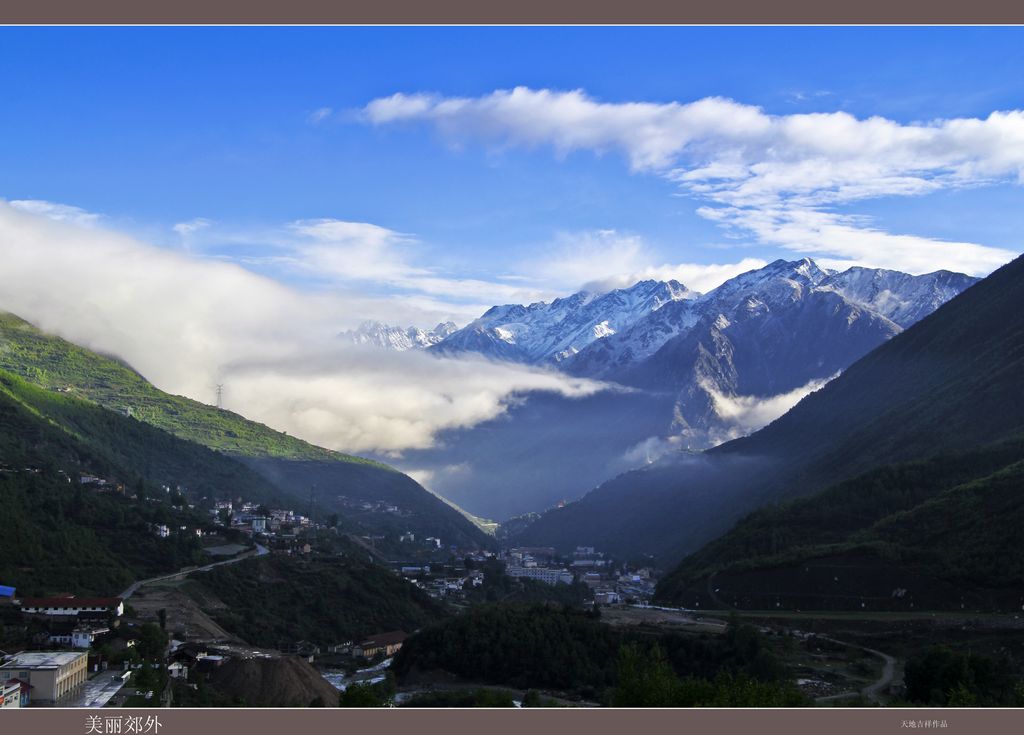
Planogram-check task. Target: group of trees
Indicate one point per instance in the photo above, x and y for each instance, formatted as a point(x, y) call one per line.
point(943, 677)
point(569, 650)
point(645, 678)
point(321, 599)
point(60, 536)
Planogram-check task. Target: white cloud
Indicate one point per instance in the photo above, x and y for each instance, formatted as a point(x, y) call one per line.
point(57, 212)
point(365, 400)
point(188, 323)
point(577, 258)
point(752, 166)
point(188, 229)
point(695, 276)
point(319, 115)
point(746, 414)
point(602, 260)
point(359, 251)
point(852, 242)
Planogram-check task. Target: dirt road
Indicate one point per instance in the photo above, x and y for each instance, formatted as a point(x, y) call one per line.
point(259, 551)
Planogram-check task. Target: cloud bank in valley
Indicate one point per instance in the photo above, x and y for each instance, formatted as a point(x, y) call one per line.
point(188, 323)
point(780, 178)
point(744, 415)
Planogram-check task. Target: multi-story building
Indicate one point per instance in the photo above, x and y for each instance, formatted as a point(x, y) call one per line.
point(548, 575)
point(53, 675)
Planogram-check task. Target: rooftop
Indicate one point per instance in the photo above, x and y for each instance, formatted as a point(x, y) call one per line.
point(43, 659)
point(71, 601)
point(386, 639)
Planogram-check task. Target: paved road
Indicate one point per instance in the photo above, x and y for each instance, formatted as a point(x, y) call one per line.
point(99, 689)
point(260, 551)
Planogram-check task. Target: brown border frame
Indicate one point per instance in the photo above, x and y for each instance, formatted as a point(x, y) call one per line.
point(524, 12)
point(463, 12)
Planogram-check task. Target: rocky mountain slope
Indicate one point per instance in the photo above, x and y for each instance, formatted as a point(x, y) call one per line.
point(950, 382)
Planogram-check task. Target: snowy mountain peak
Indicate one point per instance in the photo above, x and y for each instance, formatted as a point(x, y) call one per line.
point(555, 331)
point(900, 297)
point(600, 334)
point(400, 339)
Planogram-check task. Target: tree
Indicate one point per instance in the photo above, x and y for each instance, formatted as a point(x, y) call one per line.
point(362, 695)
point(645, 678)
point(152, 642)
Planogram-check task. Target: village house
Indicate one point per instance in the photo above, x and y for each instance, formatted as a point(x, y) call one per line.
point(607, 597)
point(10, 693)
point(386, 644)
point(77, 636)
point(177, 670)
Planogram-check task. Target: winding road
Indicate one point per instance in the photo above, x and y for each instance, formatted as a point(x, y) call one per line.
point(871, 691)
point(258, 551)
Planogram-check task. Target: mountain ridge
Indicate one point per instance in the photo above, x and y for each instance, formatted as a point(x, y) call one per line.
point(950, 379)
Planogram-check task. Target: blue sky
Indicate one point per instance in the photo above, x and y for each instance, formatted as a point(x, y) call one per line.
point(152, 128)
point(215, 204)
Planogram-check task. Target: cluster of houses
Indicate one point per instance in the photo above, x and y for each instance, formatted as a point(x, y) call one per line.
point(53, 676)
point(74, 624)
point(253, 519)
point(380, 645)
point(538, 563)
point(371, 506)
point(446, 580)
point(610, 584)
point(430, 541)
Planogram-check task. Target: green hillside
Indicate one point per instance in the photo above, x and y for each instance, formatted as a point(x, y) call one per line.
point(941, 533)
point(58, 536)
point(56, 364)
point(58, 430)
point(278, 463)
point(61, 536)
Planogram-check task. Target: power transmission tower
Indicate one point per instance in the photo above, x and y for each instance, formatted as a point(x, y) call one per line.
point(220, 395)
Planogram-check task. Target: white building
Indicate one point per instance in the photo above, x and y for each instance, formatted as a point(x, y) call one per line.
point(548, 575)
point(81, 637)
point(72, 606)
point(10, 693)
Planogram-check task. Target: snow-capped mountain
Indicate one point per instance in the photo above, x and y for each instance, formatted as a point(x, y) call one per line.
point(376, 334)
point(903, 298)
point(554, 332)
point(764, 337)
point(702, 368)
point(762, 295)
point(778, 283)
